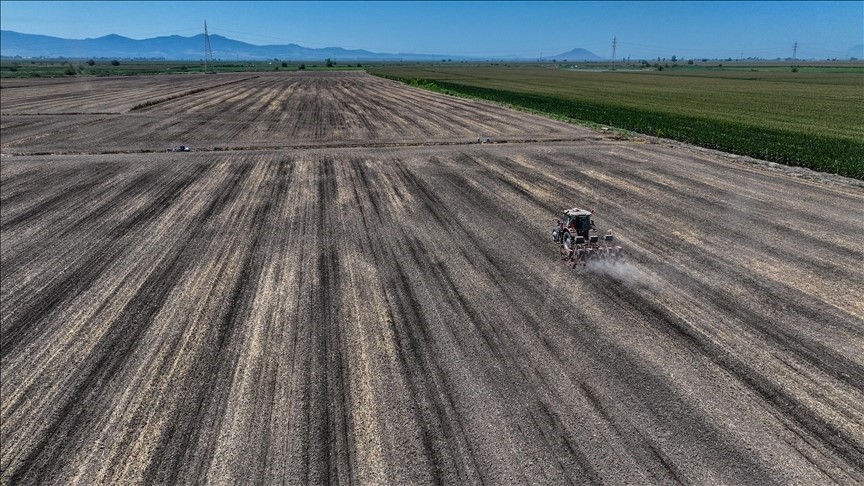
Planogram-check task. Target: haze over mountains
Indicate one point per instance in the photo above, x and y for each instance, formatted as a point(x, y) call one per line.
point(176, 47)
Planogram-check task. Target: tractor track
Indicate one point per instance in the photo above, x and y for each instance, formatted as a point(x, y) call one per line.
point(318, 145)
point(337, 287)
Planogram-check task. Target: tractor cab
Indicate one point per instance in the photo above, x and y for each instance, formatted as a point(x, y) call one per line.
point(578, 221)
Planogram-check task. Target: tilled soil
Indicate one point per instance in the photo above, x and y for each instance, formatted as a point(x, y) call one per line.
point(337, 287)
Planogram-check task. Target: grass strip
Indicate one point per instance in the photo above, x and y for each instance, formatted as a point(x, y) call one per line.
point(818, 152)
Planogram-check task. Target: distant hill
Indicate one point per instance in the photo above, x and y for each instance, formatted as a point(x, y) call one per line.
point(577, 54)
point(176, 47)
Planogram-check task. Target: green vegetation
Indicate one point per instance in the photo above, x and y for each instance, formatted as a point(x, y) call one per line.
point(809, 118)
point(106, 67)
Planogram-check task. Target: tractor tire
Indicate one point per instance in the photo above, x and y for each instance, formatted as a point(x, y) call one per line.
point(567, 240)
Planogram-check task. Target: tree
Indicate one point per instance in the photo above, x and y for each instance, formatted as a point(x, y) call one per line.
point(674, 58)
point(284, 64)
point(328, 62)
point(115, 62)
point(91, 62)
point(302, 67)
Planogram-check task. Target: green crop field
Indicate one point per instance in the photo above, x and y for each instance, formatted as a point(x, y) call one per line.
point(812, 118)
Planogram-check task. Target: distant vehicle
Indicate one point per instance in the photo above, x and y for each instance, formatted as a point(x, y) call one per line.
point(579, 243)
point(181, 148)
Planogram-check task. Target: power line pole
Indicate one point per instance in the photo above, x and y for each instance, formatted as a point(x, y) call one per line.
point(795, 51)
point(208, 52)
point(614, 45)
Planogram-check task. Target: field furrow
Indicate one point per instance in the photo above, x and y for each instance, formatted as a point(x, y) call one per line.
point(338, 287)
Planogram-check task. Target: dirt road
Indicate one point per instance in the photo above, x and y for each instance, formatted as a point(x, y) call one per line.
point(336, 287)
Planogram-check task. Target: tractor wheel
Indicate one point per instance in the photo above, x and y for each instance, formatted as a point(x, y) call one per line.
point(567, 241)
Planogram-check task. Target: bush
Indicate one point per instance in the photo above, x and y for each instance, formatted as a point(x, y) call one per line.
point(284, 64)
point(302, 67)
point(91, 62)
point(115, 62)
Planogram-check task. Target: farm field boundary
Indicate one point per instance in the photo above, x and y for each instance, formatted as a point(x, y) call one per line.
point(817, 151)
point(308, 146)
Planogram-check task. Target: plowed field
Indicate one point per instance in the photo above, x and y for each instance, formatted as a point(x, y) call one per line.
point(336, 286)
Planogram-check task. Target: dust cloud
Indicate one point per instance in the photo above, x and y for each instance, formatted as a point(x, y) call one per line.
point(623, 272)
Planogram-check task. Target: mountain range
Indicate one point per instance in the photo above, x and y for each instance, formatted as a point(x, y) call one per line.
point(177, 47)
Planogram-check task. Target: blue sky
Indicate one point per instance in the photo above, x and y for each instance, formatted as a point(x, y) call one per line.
point(485, 29)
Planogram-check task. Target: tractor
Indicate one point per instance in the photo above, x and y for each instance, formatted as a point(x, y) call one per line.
point(579, 243)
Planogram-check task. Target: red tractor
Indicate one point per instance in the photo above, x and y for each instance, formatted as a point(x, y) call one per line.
point(579, 243)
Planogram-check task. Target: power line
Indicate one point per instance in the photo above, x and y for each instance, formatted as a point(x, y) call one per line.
point(208, 51)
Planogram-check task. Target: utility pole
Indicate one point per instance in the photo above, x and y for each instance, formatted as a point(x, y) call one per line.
point(614, 45)
point(795, 51)
point(208, 52)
